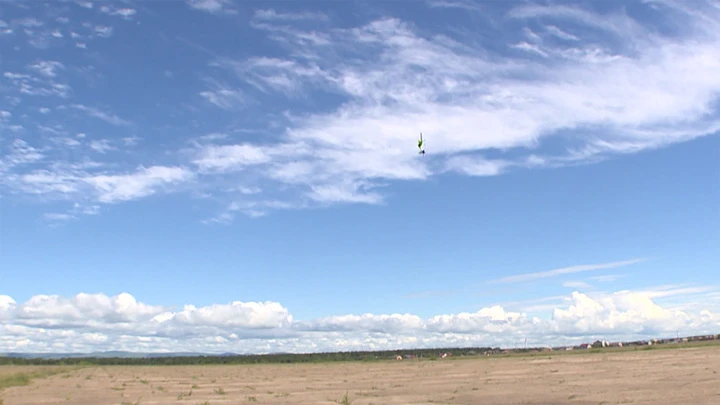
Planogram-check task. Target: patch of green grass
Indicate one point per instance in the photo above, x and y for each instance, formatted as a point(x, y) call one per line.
point(220, 391)
point(14, 380)
point(21, 379)
point(252, 399)
point(144, 381)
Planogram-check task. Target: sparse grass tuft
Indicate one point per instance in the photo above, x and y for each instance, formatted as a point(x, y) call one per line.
point(21, 379)
point(220, 391)
point(252, 399)
point(182, 395)
point(345, 400)
point(15, 380)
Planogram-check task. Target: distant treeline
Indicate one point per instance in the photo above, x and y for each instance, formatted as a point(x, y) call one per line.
point(252, 359)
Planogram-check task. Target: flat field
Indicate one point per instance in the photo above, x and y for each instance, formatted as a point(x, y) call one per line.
point(680, 376)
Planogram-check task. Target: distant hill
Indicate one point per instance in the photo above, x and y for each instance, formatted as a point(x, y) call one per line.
point(109, 354)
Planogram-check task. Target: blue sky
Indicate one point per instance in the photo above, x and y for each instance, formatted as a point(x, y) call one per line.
point(220, 176)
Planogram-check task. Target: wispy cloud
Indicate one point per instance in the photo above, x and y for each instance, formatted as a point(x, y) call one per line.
point(607, 277)
point(212, 6)
point(469, 5)
point(141, 183)
point(339, 106)
point(577, 284)
point(101, 115)
point(675, 290)
point(564, 270)
point(431, 294)
point(272, 15)
point(624, 96)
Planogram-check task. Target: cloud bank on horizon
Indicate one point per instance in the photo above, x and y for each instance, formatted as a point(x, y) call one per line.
point(97, 322)
point(107, 104)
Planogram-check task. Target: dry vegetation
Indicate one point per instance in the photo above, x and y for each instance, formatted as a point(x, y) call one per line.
point(680, 376)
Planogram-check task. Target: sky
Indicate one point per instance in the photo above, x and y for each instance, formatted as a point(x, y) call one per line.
point(219, 176)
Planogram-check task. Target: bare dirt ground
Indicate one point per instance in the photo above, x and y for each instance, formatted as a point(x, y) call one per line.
point(677, 376)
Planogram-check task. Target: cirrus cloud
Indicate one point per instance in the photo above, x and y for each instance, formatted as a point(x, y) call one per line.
point(331, 113)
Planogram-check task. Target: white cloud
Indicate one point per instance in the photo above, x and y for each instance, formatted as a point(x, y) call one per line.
point(47, 68)
point(43, 85)
point(230, 157)
point(344, 105)
point(90, 322)
point(101, 145)
point(103, 31)
point(468, 100)
point(142, 183)
point(564, 270)
point(21, 153)
point(223, 96)
point(272, 15)
point(212, 6)
point(125, 13)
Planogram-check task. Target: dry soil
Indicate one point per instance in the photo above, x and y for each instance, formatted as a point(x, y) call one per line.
point(677, 376)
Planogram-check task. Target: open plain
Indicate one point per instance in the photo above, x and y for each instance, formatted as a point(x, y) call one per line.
point(674, 376)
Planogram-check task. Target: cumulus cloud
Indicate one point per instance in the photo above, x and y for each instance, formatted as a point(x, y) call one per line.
point(95, 322)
